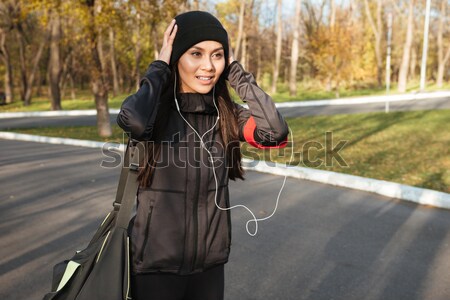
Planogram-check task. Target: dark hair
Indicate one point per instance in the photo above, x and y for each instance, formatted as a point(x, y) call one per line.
point(228, 124)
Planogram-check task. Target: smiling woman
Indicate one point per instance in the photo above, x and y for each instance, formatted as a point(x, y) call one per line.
point(181, 234)
point(200, 67)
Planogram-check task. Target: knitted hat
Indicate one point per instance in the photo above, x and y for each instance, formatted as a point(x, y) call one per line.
point(195, 27)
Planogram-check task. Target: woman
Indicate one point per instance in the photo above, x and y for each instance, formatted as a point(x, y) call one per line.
point(181, 233)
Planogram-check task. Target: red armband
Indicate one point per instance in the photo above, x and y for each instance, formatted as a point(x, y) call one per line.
point(249, 135)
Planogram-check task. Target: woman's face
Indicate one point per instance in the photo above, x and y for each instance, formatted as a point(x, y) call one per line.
point(201, 66)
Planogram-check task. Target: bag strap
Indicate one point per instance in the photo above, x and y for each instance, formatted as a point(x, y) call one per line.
point(128, 183)
point(123, 175)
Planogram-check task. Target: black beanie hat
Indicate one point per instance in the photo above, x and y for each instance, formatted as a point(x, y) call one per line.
point(195, 27)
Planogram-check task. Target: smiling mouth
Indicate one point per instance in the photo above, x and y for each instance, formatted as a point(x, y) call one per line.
point(204, 78)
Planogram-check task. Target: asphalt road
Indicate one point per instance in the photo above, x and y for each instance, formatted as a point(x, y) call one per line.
point(438, 103)
point(425, 104)
point(323, 243)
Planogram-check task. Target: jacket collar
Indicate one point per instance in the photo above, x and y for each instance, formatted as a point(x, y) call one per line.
point(196, 103)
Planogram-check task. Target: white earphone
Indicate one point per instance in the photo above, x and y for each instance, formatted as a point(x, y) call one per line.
point(202, 143)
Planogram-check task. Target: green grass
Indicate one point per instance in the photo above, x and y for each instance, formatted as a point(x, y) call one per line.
point(406, 147)
point(84, 100)
point(76, 132)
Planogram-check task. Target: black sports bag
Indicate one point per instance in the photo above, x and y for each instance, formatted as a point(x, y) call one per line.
point(102, 270)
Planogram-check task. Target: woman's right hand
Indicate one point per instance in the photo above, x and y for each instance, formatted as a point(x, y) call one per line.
point(169, 36)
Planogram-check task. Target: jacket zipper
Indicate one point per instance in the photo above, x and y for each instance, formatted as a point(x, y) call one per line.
point(147, 231)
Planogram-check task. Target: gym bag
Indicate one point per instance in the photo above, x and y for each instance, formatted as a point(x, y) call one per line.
point(102, 270)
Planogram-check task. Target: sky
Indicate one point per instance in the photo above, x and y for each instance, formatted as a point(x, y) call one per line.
point(269, 7)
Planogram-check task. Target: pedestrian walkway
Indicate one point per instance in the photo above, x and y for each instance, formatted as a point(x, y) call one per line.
point(323, 243)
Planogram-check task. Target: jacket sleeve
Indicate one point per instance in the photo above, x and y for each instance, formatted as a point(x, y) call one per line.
point(261, 125)
point(138, 112)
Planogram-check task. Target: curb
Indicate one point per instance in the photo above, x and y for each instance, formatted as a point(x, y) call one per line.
point(368, 99)
point(381, 187)
point(54, 113)
point(49, 140)
point(347, 101)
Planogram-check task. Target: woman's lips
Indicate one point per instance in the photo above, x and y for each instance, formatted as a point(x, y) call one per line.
point(205, 79)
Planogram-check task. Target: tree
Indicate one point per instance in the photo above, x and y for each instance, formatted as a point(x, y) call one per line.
point(240, 29)
point(334, 51)
point(442, 59)
point(403, 72)
point(378, 33)
point(6, 58)
point(276, 66)
point(295, 50)
point(112, 55)
point(98, 83)
point(30, 40)
point(54, 66)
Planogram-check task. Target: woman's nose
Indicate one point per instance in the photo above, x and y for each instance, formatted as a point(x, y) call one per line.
point(207, 64)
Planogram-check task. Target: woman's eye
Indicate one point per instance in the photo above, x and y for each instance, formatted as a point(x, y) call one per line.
point(196, 54)
point(218, 55)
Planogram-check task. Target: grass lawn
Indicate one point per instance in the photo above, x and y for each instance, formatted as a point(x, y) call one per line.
point(406, 147)
point(84, 100)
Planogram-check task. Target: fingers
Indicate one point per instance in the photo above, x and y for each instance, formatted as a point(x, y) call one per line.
point(169, 36)
point(172, 35)
point(169, 32)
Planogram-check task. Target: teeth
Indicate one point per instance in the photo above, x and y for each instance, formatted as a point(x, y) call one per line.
point(204, 78)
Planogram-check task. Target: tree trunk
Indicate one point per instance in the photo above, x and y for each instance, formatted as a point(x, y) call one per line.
point(377, 32)
point(72, 87)
point(34, 68)
point(113, 62)
point(155, 39)
point(99, 86)
point(137, 52)
point(332, 13)
point(442, 60)
point(403, 72)
point(413, 63)
point(4, 54)
point(23, 69)
point(101, 53)
point(28, 79)
point(244, 59)
point(240, 30)
point(295, 50)
point(331, 58)
point(278, 49)
point(258, 63)
point(196, 4)
point(378, 43)
point(39, 83)
point(54, 68)
point(353, 11)
point(441, 68)
point(65, 73)
point(121, 75)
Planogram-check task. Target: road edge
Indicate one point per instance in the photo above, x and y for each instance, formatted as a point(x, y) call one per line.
point(385, 188)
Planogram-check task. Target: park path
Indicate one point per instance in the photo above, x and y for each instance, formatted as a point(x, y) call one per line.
point(288, 112)
point(324, 242)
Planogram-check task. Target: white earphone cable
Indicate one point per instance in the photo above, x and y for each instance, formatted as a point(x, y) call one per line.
point(254, 219)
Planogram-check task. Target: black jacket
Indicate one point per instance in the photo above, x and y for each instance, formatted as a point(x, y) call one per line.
point(177, 227)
